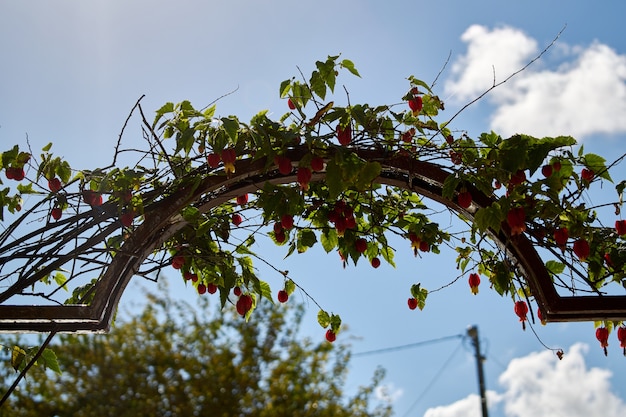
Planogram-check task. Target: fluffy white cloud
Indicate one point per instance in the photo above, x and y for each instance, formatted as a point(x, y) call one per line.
point(585, 95)
point(467, 407)
point(541, 385)
point(496, 53)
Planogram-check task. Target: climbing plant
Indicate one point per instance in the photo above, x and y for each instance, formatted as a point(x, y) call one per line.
point(205, 188)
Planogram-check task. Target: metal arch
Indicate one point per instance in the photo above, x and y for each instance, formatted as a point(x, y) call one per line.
point(163, 220)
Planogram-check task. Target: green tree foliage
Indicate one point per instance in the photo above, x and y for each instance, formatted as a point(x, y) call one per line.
point(175, 360)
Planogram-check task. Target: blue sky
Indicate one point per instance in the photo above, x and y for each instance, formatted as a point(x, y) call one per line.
point(71, 71)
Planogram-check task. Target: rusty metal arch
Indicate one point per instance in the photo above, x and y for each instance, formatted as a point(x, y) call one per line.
point(163, 220)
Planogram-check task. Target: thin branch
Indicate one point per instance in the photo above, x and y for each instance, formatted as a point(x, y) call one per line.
point(27, 367)
point(119, 139)
point(219, 98)
point(444, 66)
point(156, 138)
point(495, 85)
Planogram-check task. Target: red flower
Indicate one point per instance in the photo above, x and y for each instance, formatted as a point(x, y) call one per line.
point(304, 177)
point(317, 163)
point(330, 336)
point(291, 105)
point(416, 104)
point(213, 160)
point(587, 175)
point(465, 199)
point(521, 309)
point(560, 236)
point(242, 199)
point(581, 249)
point(620, 227)
point(621, 336)
point(229, 156)
point(283, 296)
point(54, 184)
point(360, 245)
point(56, 213)
point(546, 170)
point(93, 198)
point(516, 218)
point(284, 164)
point(541, 318)
point(474, 282)
point(344, 134)
point(517, 178)
point(244, 304)
point(286, 221)
point(602, 334)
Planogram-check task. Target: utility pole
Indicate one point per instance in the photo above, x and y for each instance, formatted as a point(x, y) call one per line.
point(472, 332)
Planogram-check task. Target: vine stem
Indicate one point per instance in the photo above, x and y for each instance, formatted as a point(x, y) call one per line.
point(495, 85)
point(27, 367)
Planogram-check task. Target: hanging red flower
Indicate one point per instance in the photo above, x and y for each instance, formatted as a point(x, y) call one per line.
point(621, 336)
point(521, 309)
point(602, 334)
point(474, 282)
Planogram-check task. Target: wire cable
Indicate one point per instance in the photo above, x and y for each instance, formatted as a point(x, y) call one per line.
point(407, 346)
point(434, 379)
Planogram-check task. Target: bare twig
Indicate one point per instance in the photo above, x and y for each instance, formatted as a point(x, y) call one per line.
point(27, 367)
point(495, 85)
point(119, 139)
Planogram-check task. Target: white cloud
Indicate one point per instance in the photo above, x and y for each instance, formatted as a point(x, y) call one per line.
point(503, 51)
point(584, 96)
point(541, 385)
point(467, 407)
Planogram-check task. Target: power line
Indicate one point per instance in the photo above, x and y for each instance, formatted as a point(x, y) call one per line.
point(408, 346)
point(434, 379)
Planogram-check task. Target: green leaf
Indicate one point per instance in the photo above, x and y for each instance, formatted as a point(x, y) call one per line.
point(501, 278)
point(420, 295)
point(349, 65)
point(334, 179)
point(290, 286)
point(285, 86)
point(420, 83)
point(47, 147)
point(388, 255)
point(26, 189)
point(318, 86)
point(17, 358)
point(263, 289)
point(335, 323)
point(555, 267)
point(231, 127)
point(597, 164)
point(306, 239)
point(60, 279)
point(489, 218)
point(323, 318)
point(329, 240)
point(449, 186)
point(210, 112)
point(166, 108)
point(540, 148)
point(368, 174)
point(49, 360)
point(514, 153)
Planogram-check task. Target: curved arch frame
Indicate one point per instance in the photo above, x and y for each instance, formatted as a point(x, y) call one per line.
point(162, 220)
